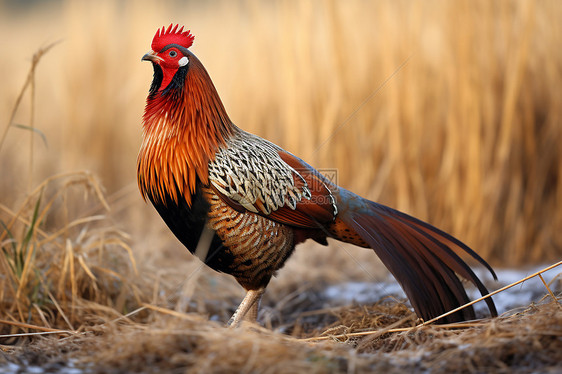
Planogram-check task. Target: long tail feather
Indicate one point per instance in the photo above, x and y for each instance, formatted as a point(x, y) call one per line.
point(421, 257)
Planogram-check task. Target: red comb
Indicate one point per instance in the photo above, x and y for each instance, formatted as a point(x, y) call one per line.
point(165, 36)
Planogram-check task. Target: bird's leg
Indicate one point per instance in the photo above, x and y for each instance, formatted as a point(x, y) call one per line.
point(248, 308)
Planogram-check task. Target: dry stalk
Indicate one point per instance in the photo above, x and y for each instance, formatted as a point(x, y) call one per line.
point(30, 326)
point(29, 81)
point(496, 292)
point(168, 311)
point(549, 290)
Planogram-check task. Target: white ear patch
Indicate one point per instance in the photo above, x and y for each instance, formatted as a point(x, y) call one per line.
point(183, 61)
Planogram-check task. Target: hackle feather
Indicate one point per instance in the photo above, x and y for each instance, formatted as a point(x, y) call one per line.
point(182, 131)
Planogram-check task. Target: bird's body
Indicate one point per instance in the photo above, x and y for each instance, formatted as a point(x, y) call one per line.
point(254, 201)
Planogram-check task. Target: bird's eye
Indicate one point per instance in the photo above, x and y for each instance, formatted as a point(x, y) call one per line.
point(173, 54)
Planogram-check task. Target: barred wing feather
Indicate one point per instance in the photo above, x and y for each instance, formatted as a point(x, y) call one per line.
point(252, 174)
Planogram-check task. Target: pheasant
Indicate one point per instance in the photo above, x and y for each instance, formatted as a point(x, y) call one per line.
point(250, 202)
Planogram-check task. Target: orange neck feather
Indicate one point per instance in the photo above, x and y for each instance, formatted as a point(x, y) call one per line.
point(182, 130)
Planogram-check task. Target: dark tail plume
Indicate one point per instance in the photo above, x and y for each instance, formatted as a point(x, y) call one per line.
point(421, 257)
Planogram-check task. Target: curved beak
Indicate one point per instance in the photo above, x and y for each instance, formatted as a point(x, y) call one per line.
point(152, 57)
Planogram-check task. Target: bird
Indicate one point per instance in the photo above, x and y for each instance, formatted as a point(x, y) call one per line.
point(251, 202)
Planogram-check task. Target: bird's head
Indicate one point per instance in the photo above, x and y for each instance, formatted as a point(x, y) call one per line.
point(169, 54)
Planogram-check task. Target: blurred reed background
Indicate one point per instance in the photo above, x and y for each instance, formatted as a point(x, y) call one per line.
point(448, 110)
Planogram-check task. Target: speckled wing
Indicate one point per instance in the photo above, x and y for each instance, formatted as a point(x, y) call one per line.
point(249, 173)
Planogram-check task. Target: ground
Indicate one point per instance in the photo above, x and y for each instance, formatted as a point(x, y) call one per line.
point(310, 337)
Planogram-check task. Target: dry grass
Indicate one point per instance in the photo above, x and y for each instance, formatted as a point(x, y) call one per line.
point(450, 111)
point(528, 341)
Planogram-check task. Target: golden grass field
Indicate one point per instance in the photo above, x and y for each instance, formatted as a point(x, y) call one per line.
point(450, 111)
